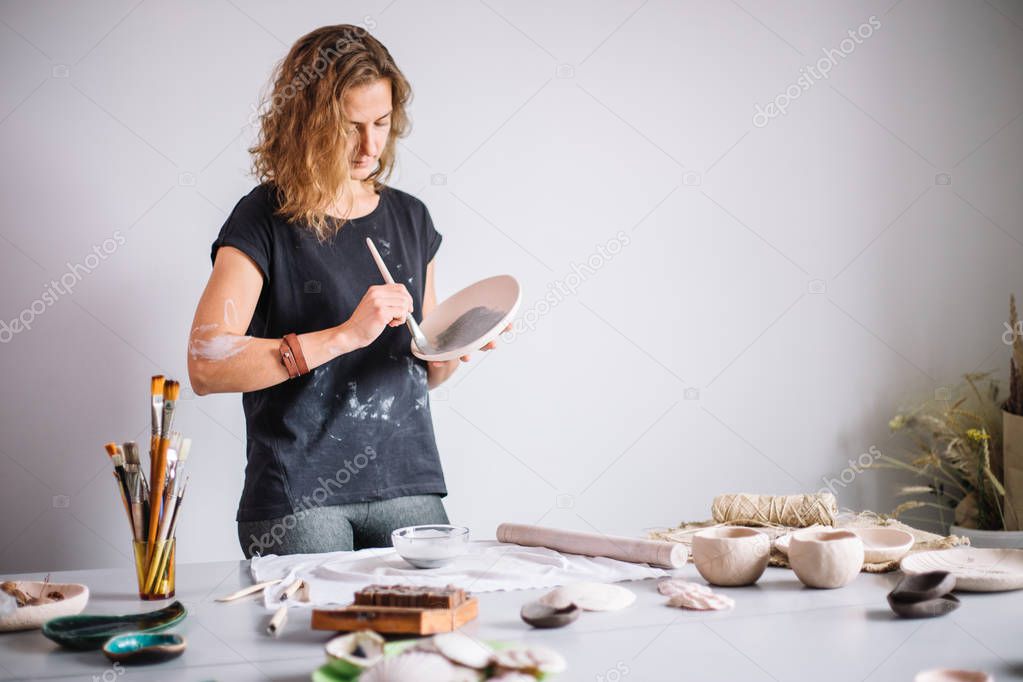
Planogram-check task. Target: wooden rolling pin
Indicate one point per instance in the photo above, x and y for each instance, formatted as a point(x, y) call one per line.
point(653, 552)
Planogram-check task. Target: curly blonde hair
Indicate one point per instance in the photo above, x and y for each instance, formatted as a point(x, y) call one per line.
point(305, 139)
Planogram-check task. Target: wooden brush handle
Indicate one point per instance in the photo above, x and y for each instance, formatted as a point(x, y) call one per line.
point(156, 493)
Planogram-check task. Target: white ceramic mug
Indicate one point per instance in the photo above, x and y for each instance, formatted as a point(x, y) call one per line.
point(731, 556)
point(825, 558)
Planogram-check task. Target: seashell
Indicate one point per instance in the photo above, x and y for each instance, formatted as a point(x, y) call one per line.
point(530, 658)
point(701, 602)
point(589, 597)
point(673, 586)
point(462, 649)
point(350, 654)
point(413, 666)
point(687, 595)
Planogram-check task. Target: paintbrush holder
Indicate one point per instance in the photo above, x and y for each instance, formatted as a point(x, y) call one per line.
point(155, 571)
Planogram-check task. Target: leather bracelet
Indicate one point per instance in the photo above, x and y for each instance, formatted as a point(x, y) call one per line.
point(288, 359)
point(296, 351)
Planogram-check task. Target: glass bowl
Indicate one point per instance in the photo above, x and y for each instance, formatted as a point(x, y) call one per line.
point(430, 546)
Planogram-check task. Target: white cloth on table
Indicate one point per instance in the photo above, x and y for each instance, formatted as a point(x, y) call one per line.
point(488, 566)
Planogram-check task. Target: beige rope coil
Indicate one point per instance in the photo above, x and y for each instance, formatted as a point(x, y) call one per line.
point(794, 511)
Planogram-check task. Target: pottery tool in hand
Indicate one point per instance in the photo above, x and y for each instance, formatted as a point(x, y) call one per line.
point(653, 552)
point(417, 335)
point(465, 322)
point(401, 609)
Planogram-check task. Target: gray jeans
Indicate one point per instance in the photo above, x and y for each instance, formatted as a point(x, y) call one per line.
point(341, 527)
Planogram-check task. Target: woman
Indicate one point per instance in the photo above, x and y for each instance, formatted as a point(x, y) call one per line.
point(340, 448)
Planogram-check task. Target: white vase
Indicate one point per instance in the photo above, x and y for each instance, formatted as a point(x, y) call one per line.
point(998, 539)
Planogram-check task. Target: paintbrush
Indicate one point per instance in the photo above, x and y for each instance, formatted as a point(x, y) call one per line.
point(410, 322)
point(132, 461)
point(156, 386)
point(171, 390)
point(172, 459)
point(135, 478)
point(117, 459)
point(186, 446)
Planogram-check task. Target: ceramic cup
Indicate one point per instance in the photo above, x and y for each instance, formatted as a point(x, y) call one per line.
point(731, 556)
point(825, 558)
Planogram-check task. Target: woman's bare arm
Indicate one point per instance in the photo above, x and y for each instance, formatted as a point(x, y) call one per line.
point(222, 359)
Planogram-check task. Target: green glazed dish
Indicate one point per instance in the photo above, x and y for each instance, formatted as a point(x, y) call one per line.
point(85, 632)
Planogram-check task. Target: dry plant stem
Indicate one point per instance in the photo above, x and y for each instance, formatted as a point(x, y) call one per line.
point(892, 463)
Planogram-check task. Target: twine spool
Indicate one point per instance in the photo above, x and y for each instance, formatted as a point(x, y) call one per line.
point(794, 511)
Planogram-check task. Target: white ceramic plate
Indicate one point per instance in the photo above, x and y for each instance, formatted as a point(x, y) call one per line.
point(782, 543)
point(884, 544)
point(489, 306)
point(975, 569)
point(30, 617)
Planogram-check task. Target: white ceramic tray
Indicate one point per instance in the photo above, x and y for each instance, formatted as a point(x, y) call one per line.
point(975, 569)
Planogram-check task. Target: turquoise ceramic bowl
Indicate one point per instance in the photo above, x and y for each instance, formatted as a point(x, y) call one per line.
point(144, 647)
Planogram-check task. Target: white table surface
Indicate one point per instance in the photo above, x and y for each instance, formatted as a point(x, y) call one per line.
point(779, 630)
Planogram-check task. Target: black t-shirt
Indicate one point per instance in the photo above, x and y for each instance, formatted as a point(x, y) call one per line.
point(357, 428)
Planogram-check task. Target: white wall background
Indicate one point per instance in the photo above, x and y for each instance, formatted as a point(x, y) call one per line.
point(785, 286)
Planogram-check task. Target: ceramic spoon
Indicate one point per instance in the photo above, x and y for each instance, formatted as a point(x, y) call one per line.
point(410, 322)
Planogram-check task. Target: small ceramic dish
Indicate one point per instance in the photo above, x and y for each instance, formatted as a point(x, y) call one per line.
point(76, 596)
point(924, 586)
point(144, 647)
point(948, 675)
point(430, 546)
point(926, 608)
point(881, 545)
point(470, 319)
point(543, 616)
point(825, 559)
point(731, 556)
